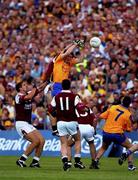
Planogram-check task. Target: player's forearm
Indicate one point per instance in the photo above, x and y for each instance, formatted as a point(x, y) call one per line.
point(69, 50)
point(67, 47)
point(41, 87)
point(30, 95)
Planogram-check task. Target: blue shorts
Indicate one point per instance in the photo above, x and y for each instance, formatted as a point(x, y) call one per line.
point(117, 138)
point(57, 87)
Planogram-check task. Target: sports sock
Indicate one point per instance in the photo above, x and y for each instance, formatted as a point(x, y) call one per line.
point(77, 158)
point(128, 152)
point(130, 163)
point(54, 128)
point(23, 157)
point(35, 159)
point(64, 159)
point(97, 159)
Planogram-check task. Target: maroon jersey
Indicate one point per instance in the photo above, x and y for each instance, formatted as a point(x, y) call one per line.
point(23, 108)
point(64, 104)
point(86, 117)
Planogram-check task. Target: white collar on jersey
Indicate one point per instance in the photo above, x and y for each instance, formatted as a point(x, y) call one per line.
point(21, 94)
point(67, 91)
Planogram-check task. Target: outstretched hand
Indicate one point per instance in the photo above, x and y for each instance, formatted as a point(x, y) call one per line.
point(79, 43)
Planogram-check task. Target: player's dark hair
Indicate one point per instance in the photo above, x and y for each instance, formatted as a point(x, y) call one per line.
point(126, 101)
point(104, 108)
point(66, 84)
point(18, 86)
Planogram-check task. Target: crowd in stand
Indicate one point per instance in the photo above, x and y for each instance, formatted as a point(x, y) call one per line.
point(33, 32)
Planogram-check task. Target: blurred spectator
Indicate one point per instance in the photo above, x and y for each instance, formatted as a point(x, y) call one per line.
point(6, 121)
point(42, 121)
point(10, 106)
point(83, 92)
point(36, 71)
point(2, 88)
point(1, 104)
point(8, 125)
point(32, 32)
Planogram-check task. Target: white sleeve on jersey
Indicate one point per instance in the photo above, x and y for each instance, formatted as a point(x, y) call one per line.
point(77, 100)
point(91, 112)
point(17, 99)
point(53, 102)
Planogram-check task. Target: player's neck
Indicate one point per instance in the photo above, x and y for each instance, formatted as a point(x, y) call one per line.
point(123, 106)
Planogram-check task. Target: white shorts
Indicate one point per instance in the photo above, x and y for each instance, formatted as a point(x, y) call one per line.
point(87, 132)
point(24, 127)
point(67, 128)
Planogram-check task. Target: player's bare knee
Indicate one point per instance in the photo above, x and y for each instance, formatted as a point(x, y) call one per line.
point(36, 142)
point(77, 137)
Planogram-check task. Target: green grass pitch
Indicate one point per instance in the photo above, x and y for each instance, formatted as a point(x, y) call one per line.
point(52, 170)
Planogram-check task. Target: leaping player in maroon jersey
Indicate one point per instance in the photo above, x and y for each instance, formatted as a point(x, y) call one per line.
point(63, 107)
point(23, 108)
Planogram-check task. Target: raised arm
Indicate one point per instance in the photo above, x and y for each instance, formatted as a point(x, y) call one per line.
point(68, 50)
point(42, 86)
point(31, 94)
point(35, 91)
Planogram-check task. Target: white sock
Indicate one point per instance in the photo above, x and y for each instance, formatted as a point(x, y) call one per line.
point(36, 158)
point(77, 155)
point(24, 156)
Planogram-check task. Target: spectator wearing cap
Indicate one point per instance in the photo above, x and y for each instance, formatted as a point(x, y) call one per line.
point(10, 90)
point(10, 75)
